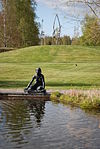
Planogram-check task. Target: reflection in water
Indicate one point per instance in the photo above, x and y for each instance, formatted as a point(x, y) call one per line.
point(28, 124)
point(19, 112)
point(37, 109)
point(18, 117)
point(2, 118)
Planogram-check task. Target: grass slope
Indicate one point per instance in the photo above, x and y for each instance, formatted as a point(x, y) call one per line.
point(58, 64)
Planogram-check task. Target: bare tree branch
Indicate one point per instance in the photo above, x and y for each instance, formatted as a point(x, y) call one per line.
point(92, 4)
point(87, 3)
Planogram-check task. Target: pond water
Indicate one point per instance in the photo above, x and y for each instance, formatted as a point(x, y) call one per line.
point(28, 124)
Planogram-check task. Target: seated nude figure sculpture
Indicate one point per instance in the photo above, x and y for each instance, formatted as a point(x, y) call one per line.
point(39, 85)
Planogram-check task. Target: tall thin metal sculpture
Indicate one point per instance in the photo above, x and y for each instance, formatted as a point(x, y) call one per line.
point(56, 29)
point(42, 35)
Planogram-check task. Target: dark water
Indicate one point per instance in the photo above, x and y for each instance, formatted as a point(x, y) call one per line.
point(31, 124)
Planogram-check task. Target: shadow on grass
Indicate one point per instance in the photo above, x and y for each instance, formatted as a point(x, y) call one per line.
point(21, 84)
point(13, 84)
point(70, 84)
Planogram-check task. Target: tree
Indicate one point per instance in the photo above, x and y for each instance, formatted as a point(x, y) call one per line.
point(48, 40)
point(18, 27)
point(75, 41)
point(1, 31)
point(91, 31)
point(3, 16)
point(26, 22)
point(12, 32)
point(66, 40)
point(8, 28)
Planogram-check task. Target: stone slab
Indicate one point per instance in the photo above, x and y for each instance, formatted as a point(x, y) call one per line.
point(21, 95)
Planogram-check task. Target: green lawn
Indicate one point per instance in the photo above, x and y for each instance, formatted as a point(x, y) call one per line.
point(58, 64)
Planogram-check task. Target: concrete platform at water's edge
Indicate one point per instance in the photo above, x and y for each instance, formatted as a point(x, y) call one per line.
point(15, 94)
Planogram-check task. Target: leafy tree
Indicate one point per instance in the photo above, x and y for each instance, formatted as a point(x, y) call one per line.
point(26, 22)
point(18, 27)
point(48, 40)
point(66, 40)
point(75, 41)
point(12, 32)
point(8, 27)
point(91, 31)
point(1, 31)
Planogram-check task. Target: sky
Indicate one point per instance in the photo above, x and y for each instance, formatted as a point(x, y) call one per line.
point(47, 10)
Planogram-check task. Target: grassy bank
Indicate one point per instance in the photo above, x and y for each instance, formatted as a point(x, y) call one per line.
point(88, 100)
point(64, 67)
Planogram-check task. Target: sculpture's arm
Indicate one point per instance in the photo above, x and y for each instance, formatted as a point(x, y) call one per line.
point(30, 83)
point(43, 82)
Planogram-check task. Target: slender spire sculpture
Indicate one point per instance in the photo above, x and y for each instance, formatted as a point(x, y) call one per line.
point(42, 35)
point(56, 29)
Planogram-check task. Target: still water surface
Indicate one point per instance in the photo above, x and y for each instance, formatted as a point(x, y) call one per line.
point(28, 124)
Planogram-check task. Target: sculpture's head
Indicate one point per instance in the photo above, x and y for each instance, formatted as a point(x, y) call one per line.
point(38, 71)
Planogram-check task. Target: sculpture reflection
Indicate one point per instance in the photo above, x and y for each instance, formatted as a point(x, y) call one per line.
point(21, 114)
point(37, 108)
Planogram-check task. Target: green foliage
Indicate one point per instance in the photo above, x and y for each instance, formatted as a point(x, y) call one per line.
point(91, 31)
point(27, 26)
point(90, 103)
point(9, 34)
point(21, 29)
point(66, 40)
point(75, 41)
point(48, 40)
point(66, 99)
point(86, 104)
point(81, 100)
point(72, 99)
point(55, 96)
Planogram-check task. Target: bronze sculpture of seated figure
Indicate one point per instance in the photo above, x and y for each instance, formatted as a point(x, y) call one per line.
point(39, 85)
